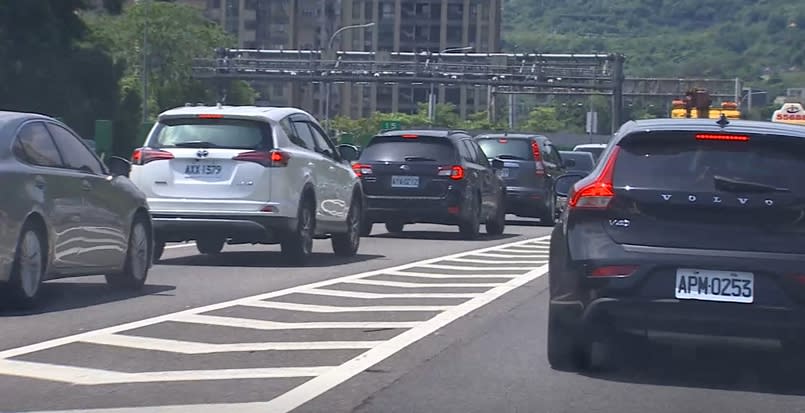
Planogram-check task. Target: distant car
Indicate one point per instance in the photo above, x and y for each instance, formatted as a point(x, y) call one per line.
point(531, 163)
point(685, 226)
point(70, 215)
point(578, 161)
point(431, 176)
point(594, 148)
point(248, 175)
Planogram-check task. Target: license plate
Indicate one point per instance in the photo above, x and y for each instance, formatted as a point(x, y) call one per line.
point(504, 173)
point(711, 285)
point(405, 181)
point(202, 169)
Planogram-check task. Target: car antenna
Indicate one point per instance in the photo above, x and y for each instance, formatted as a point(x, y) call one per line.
point(723, 121)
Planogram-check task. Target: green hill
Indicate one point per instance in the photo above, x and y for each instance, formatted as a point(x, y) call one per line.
point(751, 39)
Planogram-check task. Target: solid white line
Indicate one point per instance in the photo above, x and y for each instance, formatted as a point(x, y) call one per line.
point(88, 376)
point(493, 255)
point(464, 268)
point(189, 244)
point(275, 325)
point(373, 296)
point(44, 345)
point(435, 276)
point(315, 308)
point(189, 347)
point(422, 285)
point(529, 248)
point(473, 260)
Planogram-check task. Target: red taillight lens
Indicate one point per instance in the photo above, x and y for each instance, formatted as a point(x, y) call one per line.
point(720, 137)
point(535, 151)
point(799, 278)
point(410, 136)
point(210, 116)
point(361, 169)
point(598, 193)
point(142, 156)
point(269, 159)
point(455, 172)
point(613, 271)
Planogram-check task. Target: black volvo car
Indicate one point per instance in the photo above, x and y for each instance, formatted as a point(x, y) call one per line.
point(685, 226)
point(431, 176)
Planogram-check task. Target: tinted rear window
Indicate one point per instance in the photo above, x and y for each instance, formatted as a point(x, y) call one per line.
point(679, 162)
point(584, 162)
point(398, 149)
point(211, 133)
point(507, 148)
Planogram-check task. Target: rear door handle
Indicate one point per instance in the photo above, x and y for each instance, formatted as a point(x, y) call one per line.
point(85, 185)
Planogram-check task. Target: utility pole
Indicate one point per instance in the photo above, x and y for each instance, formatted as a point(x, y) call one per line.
point(432, 94)
point(330, 51)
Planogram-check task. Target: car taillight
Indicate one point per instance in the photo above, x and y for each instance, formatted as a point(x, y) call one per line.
point(721, 137)
point(361, 169)
point(142, 156)
point(455, 172)
point(613, 271)
point(799, 278)
point(596, 192)
point(269, 159)
point(537, 158)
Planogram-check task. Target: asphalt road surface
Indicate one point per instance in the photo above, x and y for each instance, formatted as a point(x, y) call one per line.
point(422, 322)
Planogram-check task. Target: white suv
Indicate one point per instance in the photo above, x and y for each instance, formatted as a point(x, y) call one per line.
point(248, 175)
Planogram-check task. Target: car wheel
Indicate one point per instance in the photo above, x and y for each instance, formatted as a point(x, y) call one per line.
point(366, 228)
point(471, 226)
point(394, 227)
point(549, 217)
point(298, 245)
point(28, 268)
point(565, 350)
point(346, 244)
point(159, 249)
point(135, 269)
point(497, 224)
point(210, 245)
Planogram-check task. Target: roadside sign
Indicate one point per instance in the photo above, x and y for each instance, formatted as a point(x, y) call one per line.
point(390, 125)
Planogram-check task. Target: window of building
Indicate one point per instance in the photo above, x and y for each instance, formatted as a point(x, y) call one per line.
point(250, 5)
point(356, 10)
point(387, 10)
point(214, 4)
point(250, 24)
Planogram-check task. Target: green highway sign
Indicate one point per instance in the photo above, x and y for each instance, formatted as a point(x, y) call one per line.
point(390, 125)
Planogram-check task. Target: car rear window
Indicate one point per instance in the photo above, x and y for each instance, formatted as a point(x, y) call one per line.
point(211, 133)
point(678, 161)
point(507, 148)
point(399, 149)
point(583, 160)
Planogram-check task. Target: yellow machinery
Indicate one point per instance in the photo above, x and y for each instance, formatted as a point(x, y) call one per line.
point(790, 112)
point(697, 104)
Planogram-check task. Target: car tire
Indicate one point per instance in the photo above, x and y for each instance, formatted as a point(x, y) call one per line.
point(28, 268)
point(346, 244)
point(565, 349)
point(548, 218)
point(394, 227)
point(210, 246)
point(138, 259)
point(159, 249)
point(497, 224)
point(297, 246)
point(471, 226)
point(366, 228)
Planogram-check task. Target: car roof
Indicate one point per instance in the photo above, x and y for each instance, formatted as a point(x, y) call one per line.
point(243, 112)
point(19, 117)
point(436, 133)
point(710, 125)
point(590, 145)
point(510, 136)
point(576, 153)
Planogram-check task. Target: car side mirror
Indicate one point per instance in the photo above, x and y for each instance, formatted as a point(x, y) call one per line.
point(119, 166)
point(569, 163)
point(564, 183)
point(348, 152)
point(497, 163)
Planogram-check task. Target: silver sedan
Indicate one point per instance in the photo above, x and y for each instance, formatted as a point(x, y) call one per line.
point(64, 212)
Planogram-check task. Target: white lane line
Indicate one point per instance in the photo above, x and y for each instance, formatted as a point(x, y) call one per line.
point(437, 276)
point(87, 376)
point(477, 261)
point(190, 347)
point(44, 345)
point(189, 244)
point(401, 284)
point(464, 268)
point(315, 308)
point(528, 248)
point(492, 255)
point(276, 325)
point(374, 296)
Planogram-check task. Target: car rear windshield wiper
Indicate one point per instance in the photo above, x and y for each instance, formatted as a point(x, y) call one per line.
point(514, 157)
point(419, 158)
point(736, 185)
point(195, 144)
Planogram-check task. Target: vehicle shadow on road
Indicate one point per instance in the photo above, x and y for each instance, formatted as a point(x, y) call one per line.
point(267, 259)
point(60, 295)
point(712, 366)
point(525, 223)
point(441, 236)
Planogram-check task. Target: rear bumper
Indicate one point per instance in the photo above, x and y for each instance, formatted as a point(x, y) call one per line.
point(424, 210)
point(238, 228)
point(525, 202)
